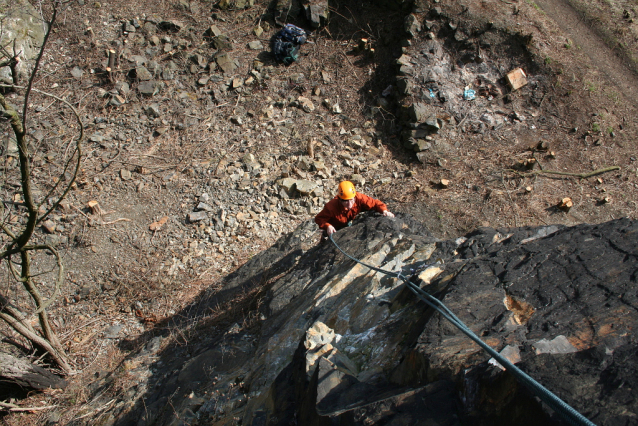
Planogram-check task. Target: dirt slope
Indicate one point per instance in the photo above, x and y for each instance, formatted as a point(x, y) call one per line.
point(605, 58)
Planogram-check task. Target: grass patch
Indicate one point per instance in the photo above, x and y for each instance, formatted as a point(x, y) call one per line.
point(612, 95)
point(534, 5)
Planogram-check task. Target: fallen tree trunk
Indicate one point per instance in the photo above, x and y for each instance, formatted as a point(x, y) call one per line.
point(26, 375)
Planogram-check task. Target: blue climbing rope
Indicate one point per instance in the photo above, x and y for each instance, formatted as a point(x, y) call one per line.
point(554, 402)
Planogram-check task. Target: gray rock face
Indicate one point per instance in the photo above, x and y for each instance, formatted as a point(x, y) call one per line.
point(285, 9)
point(20, 23)
point(317, 12)
point(197, 216)
point(333, 341)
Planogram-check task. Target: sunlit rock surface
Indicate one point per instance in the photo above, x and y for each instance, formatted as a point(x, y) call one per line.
point(324, 340)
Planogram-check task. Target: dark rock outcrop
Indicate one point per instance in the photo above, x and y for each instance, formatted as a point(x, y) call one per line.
point(337, 343)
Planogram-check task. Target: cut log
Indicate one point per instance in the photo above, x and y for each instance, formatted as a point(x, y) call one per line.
point(565, 204)
point(26, 375)
point(94, 207)
point(111, 66)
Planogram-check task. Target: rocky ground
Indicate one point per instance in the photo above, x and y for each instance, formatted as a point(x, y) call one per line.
point(201, 150)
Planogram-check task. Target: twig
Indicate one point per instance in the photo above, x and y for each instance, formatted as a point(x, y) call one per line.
point(69, 333)
point(110, 161)
point(13, 407)
point(54, 101)
point(114, 221)
point(463, 120)
point(95, 411)
point(351, 64)
point(539, 163)
point(148, 155)
point(164, 167)
point(553, 172)
point(236, 103)
point(97, 354)
point(207, 271)
point(511, 200)
point(81, 212)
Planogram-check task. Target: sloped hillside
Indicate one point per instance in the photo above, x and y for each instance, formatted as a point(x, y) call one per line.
point(203, 154)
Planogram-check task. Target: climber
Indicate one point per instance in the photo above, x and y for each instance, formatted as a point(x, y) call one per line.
point(341, 210)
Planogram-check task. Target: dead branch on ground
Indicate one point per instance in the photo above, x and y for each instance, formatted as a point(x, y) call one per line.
point(554, 172)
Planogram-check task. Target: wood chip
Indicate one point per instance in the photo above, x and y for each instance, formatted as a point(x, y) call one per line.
point(156, 226)
point(516, 78)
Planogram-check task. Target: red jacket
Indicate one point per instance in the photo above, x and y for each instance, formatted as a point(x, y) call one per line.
point(336, 215)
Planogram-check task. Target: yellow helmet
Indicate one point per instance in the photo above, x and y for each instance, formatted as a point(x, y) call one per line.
point(346, 190)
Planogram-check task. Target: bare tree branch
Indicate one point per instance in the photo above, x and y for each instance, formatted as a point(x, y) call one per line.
point(78, 151)
point(22, 269)
point(47, 33)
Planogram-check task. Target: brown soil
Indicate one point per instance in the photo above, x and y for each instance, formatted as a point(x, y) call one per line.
point(586, 111)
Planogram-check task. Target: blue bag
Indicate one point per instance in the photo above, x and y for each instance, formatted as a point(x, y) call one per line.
point(285, 44)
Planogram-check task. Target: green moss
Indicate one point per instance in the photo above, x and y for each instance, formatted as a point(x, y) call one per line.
point(534, 5)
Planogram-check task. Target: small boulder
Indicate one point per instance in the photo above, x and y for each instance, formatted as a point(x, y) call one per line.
point(418, 112)
point(197, 216)
point(149, 88)
point(77, 73)
point(412, 25)
point(226, 63)
point(306, 104)
point(143, 74)
point(305, 187)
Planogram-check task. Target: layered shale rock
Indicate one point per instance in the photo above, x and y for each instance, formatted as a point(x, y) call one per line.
point(324, 340)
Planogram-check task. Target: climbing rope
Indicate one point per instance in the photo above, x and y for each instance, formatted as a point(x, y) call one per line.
point(554, 402)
